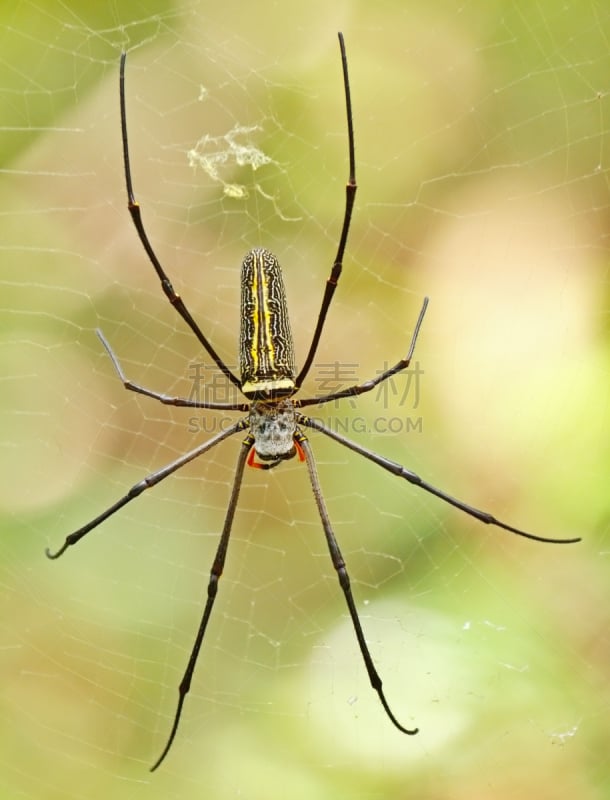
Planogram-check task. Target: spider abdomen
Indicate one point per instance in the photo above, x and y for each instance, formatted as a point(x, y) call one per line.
point(266, 351)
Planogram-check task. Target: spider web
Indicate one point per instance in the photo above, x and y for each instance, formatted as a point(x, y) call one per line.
point(482, 142)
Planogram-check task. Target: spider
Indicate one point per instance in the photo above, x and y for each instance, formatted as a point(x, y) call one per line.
point(273, 421)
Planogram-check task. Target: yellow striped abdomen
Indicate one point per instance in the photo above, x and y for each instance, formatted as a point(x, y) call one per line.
point(266, 351)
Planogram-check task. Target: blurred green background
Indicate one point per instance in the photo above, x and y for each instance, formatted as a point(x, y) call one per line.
point(482, 142)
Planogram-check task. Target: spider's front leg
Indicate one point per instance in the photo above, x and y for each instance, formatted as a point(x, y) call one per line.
point(136, 216)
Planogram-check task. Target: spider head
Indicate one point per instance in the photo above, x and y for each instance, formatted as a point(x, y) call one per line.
point(273, 426)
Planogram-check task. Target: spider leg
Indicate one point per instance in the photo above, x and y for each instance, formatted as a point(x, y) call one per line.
point(350, 195)
point(163, 398)
point(412, 477)
point(136, 216)
point(354, 391)
point(150, 480)
point(215, 573)
point(339, 565)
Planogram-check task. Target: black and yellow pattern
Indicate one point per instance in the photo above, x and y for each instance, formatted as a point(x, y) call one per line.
point(266, 351)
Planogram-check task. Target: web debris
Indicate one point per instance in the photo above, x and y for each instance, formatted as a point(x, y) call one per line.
point(213, 152)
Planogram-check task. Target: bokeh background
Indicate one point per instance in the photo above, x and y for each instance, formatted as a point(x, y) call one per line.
point(483, 146)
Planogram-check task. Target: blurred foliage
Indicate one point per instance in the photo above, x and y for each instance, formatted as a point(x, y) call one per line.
point(482, 134)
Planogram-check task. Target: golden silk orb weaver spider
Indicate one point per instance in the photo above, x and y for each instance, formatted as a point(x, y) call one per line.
point(273, 421)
